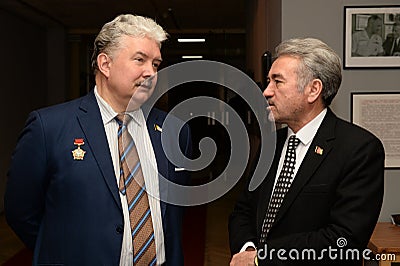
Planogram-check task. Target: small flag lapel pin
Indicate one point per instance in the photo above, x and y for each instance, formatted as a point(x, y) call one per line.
point(78, 153)
point(157, 127)
point(319, 150)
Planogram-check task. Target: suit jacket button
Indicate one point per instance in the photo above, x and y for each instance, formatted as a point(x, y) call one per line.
point(119, 229)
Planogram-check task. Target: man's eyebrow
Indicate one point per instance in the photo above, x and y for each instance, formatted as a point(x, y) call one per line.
point(141, 53)
point(277, 75)
point(159, 59)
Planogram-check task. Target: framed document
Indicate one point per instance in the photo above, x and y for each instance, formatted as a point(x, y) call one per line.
point(380, 114)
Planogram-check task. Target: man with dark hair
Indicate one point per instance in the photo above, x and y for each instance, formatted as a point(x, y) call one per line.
point(368, 42)
point(392, 42)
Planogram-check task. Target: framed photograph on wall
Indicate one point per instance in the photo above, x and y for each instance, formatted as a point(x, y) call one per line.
point(380, 114)
point(371, 37)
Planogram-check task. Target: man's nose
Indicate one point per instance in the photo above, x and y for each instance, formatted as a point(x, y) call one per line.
point(149, 70)
point(268, 92)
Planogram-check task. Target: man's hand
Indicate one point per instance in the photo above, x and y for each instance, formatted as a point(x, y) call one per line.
point(245, 258)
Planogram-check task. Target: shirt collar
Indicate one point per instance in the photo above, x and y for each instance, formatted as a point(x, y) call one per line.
point(108, 114)
point(307, 133)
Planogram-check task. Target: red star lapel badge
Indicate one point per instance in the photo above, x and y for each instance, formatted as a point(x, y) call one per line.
point(78, 153)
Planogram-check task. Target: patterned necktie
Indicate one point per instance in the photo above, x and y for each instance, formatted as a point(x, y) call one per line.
point(131, 184)
point(281, 187)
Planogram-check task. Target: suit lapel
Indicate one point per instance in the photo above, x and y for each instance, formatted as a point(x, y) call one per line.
point(89, 118)
point(311, 161)
point(162, 163)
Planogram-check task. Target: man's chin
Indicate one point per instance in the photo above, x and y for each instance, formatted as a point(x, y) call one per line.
point(137, 101)
point(271, 116)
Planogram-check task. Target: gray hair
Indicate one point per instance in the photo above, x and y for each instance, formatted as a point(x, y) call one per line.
point(108, 39)
point(317, 60)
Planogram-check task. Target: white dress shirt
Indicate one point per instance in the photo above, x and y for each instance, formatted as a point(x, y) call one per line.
point(138, 130)
point(306, 134)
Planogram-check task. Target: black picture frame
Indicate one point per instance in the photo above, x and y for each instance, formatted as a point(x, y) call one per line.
point(364, 51)
point(378, 112)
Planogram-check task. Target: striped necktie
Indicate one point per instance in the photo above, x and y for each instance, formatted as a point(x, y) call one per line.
point(131, 184)
point(281, 187)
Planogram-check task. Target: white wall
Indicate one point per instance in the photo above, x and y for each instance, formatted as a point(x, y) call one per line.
point(323, 19)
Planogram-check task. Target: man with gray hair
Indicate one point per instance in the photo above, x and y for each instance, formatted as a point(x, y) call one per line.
point(320, 200)
point(90, 167)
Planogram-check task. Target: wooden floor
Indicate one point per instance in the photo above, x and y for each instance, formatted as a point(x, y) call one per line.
point(216, 247)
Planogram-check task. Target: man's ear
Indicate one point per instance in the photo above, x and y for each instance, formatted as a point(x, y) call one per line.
point(314, 90)
point(103, 62)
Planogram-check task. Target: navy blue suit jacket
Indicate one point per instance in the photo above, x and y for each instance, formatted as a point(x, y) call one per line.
point(69, 211)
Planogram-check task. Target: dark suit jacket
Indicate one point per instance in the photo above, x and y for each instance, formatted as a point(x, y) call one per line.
point(69, 211)
point(334, 195)
point(388, 44)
